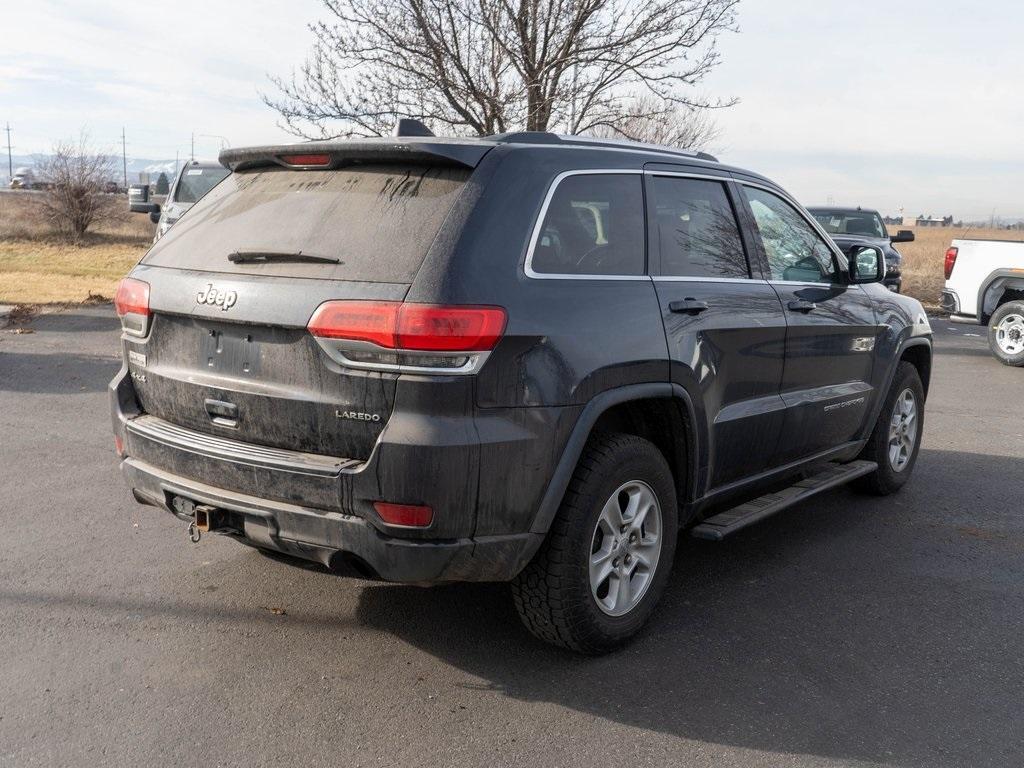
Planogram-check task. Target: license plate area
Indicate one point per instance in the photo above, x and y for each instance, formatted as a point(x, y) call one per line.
point(231, 353)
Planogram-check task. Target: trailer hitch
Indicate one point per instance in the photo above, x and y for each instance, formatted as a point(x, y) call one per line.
point(202, 518)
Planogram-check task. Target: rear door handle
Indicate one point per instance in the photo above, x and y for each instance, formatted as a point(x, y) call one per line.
point(802, 306)
point(688, 306)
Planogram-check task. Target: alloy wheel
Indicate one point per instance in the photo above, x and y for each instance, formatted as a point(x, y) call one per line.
point(625, 548)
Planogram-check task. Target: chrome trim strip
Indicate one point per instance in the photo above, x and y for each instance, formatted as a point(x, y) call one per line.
point(336, 348)
point(725, 179)
point(539, 224)
point(173, 436)
point(695, 279)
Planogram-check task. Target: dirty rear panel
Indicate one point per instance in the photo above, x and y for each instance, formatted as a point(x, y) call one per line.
point(253, 373)
point(227, 352)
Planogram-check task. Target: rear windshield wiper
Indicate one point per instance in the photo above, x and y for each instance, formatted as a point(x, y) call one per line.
point(249, 257)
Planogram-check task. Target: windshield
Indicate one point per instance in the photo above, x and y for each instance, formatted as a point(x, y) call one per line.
point(371, 223)
point(863, 223)
point(196, 182)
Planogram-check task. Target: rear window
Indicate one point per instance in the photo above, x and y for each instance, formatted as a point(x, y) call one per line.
point(196, 182)
point(377, 220)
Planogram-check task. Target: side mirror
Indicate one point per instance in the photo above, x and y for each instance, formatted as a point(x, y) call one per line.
point(154, 212)
point(903, 236)
point(867, 264)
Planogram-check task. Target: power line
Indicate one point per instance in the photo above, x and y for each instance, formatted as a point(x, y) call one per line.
point(10, 166)
point(124, 157)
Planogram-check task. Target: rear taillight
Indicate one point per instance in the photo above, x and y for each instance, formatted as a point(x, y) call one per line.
point(405, 515)
point(951, 260)
point(410, 327)
point(132, 305)
point(132, 298)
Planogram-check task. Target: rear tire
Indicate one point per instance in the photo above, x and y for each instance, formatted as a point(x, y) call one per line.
point(1006, 333)
point(605, 562)
point(896, 438)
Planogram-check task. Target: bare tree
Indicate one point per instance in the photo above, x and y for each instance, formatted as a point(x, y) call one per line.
point(74, 175)
point(654, 122)
point(486, 66)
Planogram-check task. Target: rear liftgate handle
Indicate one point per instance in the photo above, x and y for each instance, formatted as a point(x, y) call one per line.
point(688, 306)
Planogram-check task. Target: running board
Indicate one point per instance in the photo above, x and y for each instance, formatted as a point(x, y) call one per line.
point(719, 526)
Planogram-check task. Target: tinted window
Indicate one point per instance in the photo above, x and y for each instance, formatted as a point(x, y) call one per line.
point(594, 225)
point(695, 229)
point(378, 221)
point(864, 223)
point(795, 251)
point(196, 182)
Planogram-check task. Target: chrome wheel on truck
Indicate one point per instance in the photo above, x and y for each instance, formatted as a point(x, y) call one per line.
point(1006, 333)
point(1010, 334)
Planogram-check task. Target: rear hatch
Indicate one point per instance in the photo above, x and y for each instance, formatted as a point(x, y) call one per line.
point(234, 283)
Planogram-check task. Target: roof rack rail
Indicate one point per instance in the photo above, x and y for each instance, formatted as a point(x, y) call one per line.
point(546, 137)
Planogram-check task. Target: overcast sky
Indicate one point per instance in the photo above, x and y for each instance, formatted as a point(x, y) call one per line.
point(890, 104)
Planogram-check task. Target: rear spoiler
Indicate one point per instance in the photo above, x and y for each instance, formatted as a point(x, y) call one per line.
point(406, 149)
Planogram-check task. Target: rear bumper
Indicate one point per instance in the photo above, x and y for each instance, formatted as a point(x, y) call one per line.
point(322, 509)
point(340, 541)
point(949, 301)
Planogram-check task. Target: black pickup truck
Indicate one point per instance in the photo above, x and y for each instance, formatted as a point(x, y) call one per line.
point(524, 357)
point(850, 227)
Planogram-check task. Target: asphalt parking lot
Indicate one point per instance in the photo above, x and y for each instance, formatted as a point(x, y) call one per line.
point(846, 631)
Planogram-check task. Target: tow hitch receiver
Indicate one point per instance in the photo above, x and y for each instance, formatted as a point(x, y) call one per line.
point(202, 518)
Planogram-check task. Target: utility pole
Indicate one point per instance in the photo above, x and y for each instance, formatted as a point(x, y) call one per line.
point(193, 153)
point(124, 157)
point(10, 166)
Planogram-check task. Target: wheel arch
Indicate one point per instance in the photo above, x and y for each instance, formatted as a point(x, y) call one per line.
point(1001, 286)
point(918, 352)
point(659, 412)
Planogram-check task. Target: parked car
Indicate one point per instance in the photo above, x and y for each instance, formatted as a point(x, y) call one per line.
point(523, 358)
point(193, 181)
point(985, 285)
point(863, 226)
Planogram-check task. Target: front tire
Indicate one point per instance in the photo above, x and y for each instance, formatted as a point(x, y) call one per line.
point(1006, 333)
point(606, 560)
point(896, 438)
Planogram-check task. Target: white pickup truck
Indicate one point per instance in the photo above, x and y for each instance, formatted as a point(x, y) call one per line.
point(985, 285)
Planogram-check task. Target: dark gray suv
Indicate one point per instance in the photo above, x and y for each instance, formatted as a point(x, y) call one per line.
point(524, 358)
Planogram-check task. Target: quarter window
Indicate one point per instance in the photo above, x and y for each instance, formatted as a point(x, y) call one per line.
point(594, 225)
point(795, 251)
point(695, 229)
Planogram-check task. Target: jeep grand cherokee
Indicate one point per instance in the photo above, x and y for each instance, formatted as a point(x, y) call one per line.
point(524, 358)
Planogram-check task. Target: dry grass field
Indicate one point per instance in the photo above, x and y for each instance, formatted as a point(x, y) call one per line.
point(37, 267)
point(923, 259)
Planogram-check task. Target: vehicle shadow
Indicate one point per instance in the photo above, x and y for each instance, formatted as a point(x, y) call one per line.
point(858, 632)
point(93, 320)
point(55, 374)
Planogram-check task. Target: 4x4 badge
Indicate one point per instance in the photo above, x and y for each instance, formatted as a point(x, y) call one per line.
point(223, 299)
